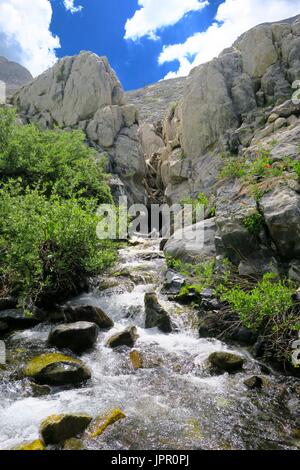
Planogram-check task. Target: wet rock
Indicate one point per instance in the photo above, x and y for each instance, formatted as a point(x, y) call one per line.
point(56, 369)
point(4, 328)
point(79, 337)
point(127, 337)
point(244, 336)
point(102, 422)
point(35, 445)
point(8, 303)
point(156, 316)
point(73, 444)
point(226, 362)
point(136, 359)
point(78, 313)
point(173, 283)
point(254, 382)
point(162, 244)
point(59, 428)
point(39, 390)
point(15, 318)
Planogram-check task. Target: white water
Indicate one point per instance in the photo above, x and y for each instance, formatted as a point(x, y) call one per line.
point(172, 403)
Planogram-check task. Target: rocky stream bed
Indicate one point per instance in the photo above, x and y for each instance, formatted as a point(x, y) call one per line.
point(163, 385)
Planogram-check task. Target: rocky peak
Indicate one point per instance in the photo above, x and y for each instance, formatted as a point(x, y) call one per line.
point(83, 92)
point(13, 74)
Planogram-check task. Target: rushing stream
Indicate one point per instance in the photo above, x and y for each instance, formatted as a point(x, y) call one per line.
point(171, 403)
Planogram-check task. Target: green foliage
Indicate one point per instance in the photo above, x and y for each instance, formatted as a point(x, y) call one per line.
point(296, 166)
point(262, 166)
point(266, 302)
point(57, 161)
point(48, 246)
point(200, 200)
point(254, 223)
point(51, 184)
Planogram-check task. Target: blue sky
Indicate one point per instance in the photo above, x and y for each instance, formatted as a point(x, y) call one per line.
point(144, 40)
point(100, 27)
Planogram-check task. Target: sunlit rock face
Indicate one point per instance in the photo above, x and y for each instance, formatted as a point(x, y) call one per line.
point(83, 92)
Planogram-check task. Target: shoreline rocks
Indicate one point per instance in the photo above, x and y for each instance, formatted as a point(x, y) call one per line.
point(87, 313)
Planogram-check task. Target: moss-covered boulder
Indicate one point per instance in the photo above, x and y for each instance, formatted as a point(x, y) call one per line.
point(59, 428)
point(226, 362)
point(99, 425)
point(127, 337)
point(79, 337)
point(73, 444)
point(254, 382)
point(35, 445)
point(56, 369)
point(136, 359)
point(39, 390)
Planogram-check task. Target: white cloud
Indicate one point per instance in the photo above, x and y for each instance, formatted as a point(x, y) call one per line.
point(25, 33)
point(233, 18)
point(156, 14)
point(69, 5)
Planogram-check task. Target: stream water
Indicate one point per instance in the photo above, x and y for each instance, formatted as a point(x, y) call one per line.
point(171, 403)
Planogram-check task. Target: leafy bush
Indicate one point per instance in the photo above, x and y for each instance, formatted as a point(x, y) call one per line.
point(200, 200)
point(268, 301)
point(54, 160)
point(254, 223)
point(48, 246)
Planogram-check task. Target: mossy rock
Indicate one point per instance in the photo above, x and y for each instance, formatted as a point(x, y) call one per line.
point(56, 369)
point(102, 422)
point(136, 359)
point(226, 362)
point(59, 428)
point(35, 445)
point(254, 382)
point(73, 444)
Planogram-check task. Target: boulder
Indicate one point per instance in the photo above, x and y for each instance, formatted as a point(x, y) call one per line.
point(127, 337)
point(35, 445)
point(56, 369)
point(156, 316)
point(18, 319)
point(87, 313)
point(195, 245)
point(79, 337)
point(39, 390)
point(99, 425)
point(226, 362)
point(173, 283)
point(281, 208)
point(59, 428)
point(254, 382)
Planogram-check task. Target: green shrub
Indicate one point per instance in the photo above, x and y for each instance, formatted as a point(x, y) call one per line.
point(267, 302)
point(200, 200)
point(254, 223)
point(48, 245)
point(54, 160)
